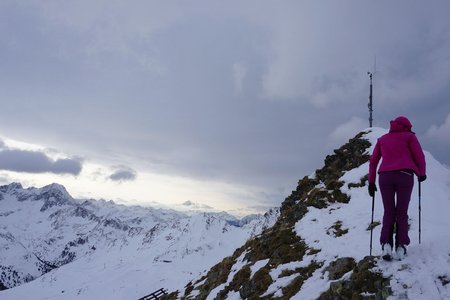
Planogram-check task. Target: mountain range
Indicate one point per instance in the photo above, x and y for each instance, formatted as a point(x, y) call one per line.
point(315, 246)
point(46, 235)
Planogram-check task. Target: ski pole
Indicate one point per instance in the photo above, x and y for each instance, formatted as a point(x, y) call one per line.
point(371, 223)
point(420, 212)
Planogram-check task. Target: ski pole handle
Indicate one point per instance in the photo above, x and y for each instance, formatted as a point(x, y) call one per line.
point(420, 189)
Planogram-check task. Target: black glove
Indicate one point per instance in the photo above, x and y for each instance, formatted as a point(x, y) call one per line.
point(372, 189)
point(422, 178)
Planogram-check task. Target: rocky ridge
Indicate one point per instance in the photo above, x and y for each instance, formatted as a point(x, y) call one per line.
point(249, 273)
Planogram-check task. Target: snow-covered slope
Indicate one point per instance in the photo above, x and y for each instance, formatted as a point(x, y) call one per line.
point(425, 273)
point(91, 249)
point(319, 247)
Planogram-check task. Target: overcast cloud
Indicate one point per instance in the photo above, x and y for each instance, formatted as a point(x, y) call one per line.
point(36, 162)
point(123, 173)
point(253, 92)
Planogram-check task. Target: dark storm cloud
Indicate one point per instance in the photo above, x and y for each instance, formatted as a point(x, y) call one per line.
point(123, 174)
point(36, 162)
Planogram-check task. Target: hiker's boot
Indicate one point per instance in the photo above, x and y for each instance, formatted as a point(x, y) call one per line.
point(387, 251)
point(400, 252)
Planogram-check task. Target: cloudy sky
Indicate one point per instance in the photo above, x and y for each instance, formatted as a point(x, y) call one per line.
point(224, 104)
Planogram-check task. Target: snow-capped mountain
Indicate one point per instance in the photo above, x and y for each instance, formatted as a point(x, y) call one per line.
point(316, 246)
point(66, 248)
point(319, 246)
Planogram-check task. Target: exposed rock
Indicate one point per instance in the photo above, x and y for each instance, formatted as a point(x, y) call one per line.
point(281, 245)
point(336, 230)
point(339, 267)
point(363, 281)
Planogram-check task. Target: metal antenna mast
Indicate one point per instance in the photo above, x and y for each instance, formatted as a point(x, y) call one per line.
point(370, 100)
point(371, 92)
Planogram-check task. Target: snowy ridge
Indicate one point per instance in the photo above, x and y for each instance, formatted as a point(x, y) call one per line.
point(329, 215)
point(425, 272)
point(315, 247)
point(66, 248)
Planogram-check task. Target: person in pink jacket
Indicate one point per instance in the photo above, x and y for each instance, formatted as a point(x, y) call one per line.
point(402, 157)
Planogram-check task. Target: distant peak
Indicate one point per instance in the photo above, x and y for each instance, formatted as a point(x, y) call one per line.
point(53, 195)
point(11, 187)
point(56, 187)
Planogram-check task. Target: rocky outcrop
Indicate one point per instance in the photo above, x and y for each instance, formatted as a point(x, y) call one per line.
point(363, 283)
point(279, 245)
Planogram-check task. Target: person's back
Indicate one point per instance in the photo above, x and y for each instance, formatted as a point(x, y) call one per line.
point(400, 150)
point(402, 157)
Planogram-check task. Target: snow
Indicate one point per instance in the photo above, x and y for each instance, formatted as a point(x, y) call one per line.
point(280, 282)
point(127, 253)
point(257, 266)
point(140, 250)
point(417, 276)
point(240, 263)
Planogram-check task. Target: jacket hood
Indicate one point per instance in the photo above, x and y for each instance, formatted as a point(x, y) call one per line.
point(401, 123)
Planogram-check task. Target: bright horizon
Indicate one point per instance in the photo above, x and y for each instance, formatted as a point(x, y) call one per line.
point(218, 103)
point(145, 189)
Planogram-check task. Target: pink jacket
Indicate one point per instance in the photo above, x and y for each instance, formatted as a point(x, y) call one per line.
point(400, 150)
